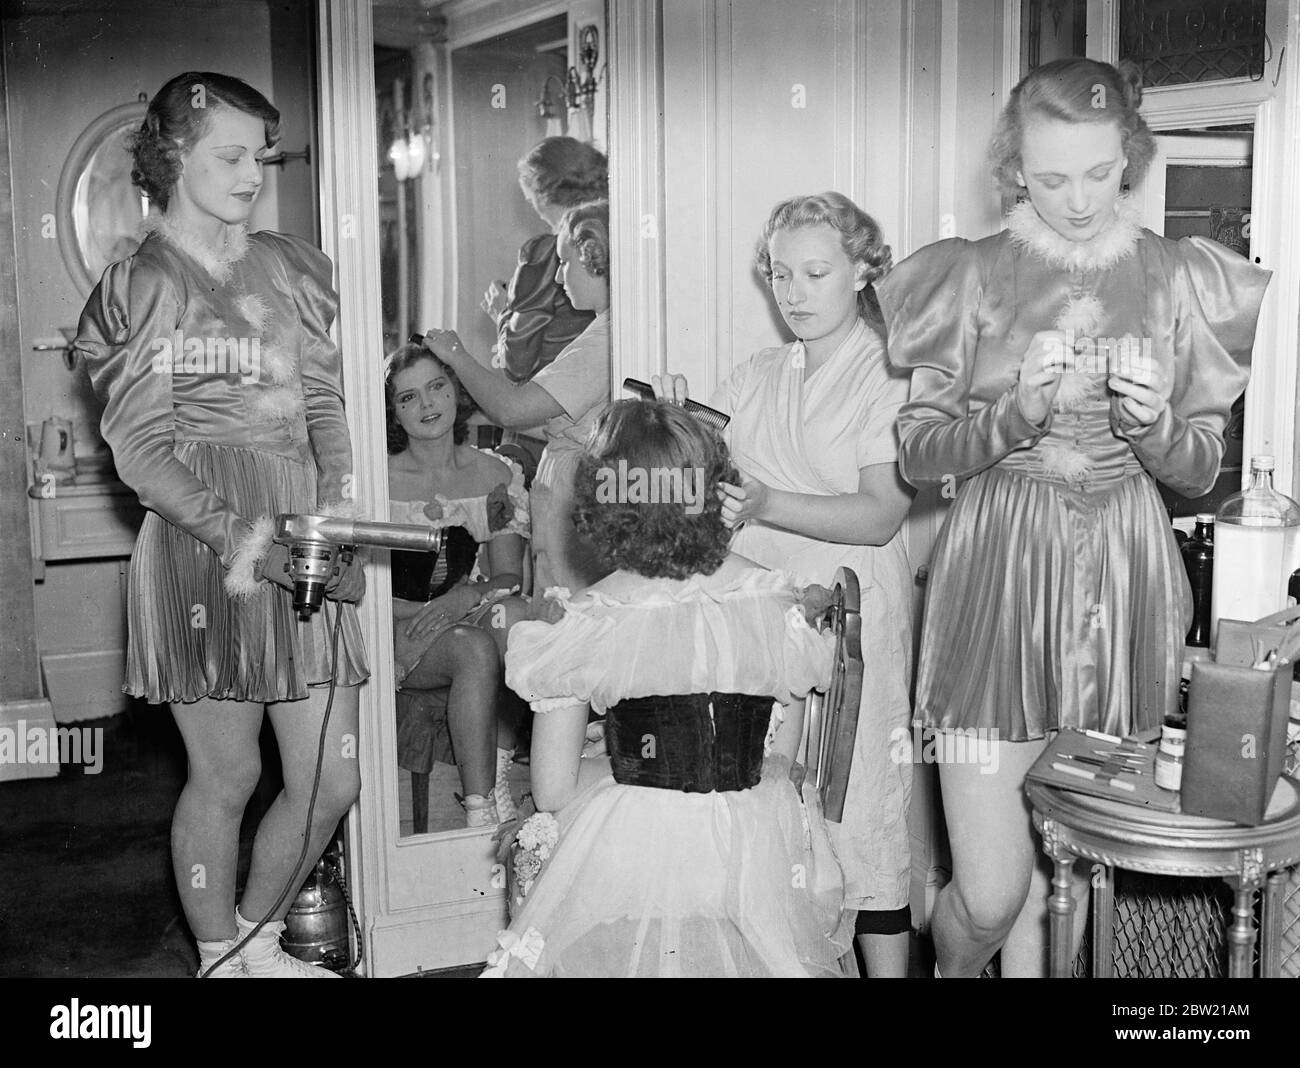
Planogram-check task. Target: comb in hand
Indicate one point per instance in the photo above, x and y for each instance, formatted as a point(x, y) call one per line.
point(706, 415)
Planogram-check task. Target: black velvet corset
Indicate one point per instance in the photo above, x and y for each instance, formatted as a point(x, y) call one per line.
point(674, 743)
point(424, 576)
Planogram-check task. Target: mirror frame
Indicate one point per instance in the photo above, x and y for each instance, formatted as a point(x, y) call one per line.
point(82, 152)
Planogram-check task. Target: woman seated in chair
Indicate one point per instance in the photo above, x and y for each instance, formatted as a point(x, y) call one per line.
point(684, 852)
point(449, 625)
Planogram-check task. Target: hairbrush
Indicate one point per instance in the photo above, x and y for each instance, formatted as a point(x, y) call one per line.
point(706, 415)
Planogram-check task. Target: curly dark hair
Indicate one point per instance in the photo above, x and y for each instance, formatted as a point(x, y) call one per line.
point(177, 117)
point(1074, 89)
point(667, 454)
point(586, 228)
point(564, 171)
point(408, 356)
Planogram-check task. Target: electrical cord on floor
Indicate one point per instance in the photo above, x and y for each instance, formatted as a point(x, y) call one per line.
point(293, 882)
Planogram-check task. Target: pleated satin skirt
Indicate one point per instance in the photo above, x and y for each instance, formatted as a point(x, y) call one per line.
point(1052, 606)
point(189, 639)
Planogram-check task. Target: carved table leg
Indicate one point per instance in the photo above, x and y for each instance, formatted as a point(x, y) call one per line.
point(1103, 921)
point(1241, 935)
point(1270, 934)
point(1060, 905)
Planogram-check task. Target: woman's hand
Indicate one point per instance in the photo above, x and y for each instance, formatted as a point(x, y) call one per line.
point(494, 300)
point(445, 344)
point(448, 608)
point(348, 582)
point(670, 388)
point(814, 600)
point(275, 568)
point(1144, 393)
point(1040, 374)
point(744, 502)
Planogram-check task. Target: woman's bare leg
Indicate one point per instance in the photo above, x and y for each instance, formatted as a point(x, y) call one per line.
point(224, 766)
point(993, 853)
point(885, 954)
point(279, 836)
point(500, 618)
point(1025, 952)
point(466, 659)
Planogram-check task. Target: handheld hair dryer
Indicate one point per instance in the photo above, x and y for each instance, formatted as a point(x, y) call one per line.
point(314, 539)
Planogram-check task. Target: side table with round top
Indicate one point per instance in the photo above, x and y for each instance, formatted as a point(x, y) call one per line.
point(1116, 835)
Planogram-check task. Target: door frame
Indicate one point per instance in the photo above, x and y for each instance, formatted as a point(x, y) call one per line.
point(425, 901)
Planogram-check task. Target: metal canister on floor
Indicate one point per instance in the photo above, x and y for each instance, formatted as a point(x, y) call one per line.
point(316, 928)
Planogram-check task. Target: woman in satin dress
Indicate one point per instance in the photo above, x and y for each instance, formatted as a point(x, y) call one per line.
point(1060, 369)
point(223, 406)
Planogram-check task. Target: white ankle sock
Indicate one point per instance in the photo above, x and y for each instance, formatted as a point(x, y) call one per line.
point(480, 811)
point(263, 955)
point(211, 952)
point(265, 947)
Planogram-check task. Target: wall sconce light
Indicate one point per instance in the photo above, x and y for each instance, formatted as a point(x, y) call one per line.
point(546, 106)
point(410, 149)
point(583, 89)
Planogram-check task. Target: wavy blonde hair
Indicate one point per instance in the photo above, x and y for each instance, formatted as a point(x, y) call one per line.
point(860, 237)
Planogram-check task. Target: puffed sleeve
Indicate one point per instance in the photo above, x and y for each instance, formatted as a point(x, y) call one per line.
point(808, 654)
point(513, 511)
point(554, 665)
point(504, 510)
point(311, 274)
point(931, 304)
point(538, 321)
point(133, 306)
point(1217, 295)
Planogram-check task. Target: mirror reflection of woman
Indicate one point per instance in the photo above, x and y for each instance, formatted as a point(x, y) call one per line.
point(566, 395)
point(217, 443)
point(1056, 597)
point(535, 318)
point(450, 626)
point(812, 433)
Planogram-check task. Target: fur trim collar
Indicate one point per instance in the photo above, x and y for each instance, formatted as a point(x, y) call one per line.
point(217, 262)
point(1113, 244)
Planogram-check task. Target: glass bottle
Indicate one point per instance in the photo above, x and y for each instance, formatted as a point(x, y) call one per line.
point(1255, 537)
point(1198, 558)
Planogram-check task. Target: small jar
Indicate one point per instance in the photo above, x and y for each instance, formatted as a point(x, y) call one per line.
point(1169, 757)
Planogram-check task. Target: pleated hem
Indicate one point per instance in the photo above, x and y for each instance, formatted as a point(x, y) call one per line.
point(189, 640)
point(1052, 607)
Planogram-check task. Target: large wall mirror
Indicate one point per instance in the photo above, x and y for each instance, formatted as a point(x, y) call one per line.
point(456, 110)
point(99, 210)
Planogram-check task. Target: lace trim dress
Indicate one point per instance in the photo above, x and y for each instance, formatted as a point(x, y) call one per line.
point(695, 856)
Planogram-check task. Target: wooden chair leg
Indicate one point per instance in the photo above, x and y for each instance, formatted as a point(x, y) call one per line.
point(420, 802)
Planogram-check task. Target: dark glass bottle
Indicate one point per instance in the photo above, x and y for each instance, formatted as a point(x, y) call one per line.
point(1198, 558)
point(1293, 591)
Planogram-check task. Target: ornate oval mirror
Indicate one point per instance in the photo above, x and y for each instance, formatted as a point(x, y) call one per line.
point(99, 210)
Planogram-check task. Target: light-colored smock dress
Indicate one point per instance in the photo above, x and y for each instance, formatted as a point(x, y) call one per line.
point(811, 434)
point(578, 379)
